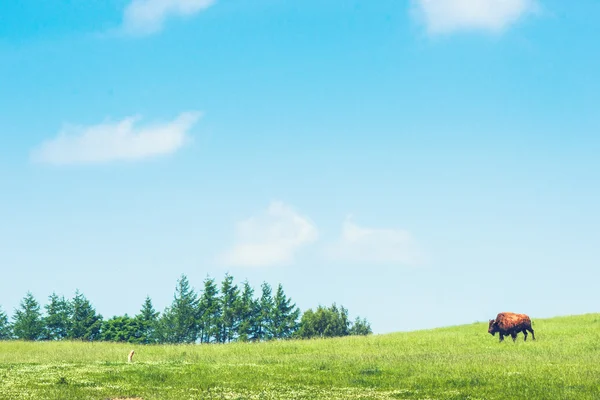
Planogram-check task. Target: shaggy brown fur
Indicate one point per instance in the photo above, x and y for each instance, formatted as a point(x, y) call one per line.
point(508, 323)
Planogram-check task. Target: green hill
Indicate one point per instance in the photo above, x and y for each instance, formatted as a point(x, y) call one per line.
point(462, 362)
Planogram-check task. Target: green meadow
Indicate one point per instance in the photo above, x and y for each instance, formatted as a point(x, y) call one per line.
point(461, 362)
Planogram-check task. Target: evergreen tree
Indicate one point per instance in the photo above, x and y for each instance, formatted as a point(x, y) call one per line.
point(246, 313)
point(85, 323)
point(166, 327)
point(322, 323)
point(360, 327)
point(325, 322)
point(121, 329)
point(219, 315)
point(184, 311)
point(58, 318)
point(264, 313)
point(5, 327)
point(341, 322)
point(229, 306)
point(148, 320)
point(209, 312)
point(307, 325)
point(284, 317)
point(28, 323)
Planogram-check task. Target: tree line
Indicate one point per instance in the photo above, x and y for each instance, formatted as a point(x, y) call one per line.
point(218, 314)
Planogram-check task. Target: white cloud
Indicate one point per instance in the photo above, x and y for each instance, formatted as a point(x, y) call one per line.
point(270, 238)
point(148, 16)
point(115, 141)
point(381, 246)
point(447, 16)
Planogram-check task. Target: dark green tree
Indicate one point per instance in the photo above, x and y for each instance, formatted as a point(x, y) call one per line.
point(341, 320)
point(166, 327)
point(264, 312)
point(5, 327)
point(58, 318)
point(246, 313)
point(184, 310)
point(229, 306)
point(209, 312)
point(85, 322)
point(360, 327)
point(28, 323)
point(308, 328)
point(121, 329)
point(325, 322)
point(284, 316)
point(148, 321)
point(220, 315)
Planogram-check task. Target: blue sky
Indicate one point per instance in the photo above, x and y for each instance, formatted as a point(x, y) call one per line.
point(424, 163)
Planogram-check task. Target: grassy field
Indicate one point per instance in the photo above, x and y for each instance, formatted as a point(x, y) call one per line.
point(462, 362)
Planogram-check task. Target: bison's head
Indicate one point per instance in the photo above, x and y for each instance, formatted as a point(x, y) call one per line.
point(492, 327)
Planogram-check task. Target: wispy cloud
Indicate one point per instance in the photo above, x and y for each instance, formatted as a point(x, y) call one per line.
point(447, 16)
point(272, 237)
point(116, 141)
point(144, 17)
point(379, 246)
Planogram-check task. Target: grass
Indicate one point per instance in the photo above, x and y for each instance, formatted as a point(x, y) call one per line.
point(462, 362)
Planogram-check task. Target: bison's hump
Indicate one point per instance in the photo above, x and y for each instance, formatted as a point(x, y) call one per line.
point(508, 320)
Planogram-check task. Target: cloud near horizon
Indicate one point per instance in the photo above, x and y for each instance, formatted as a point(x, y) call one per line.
point(448, 16)
point(118, 141)
point(144, 17)
point(270, 238)
point(380, 246)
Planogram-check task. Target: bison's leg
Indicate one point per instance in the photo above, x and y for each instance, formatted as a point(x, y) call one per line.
point(531, 330)
point(501, 337)
point(514, 336)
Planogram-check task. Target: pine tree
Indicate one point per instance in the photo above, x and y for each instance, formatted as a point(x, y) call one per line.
point(264, 312)
point(184, 309)
point(166, 327)
point(229, 304)
point(307, 325)
point(121, 329)
point(209, 312)
point(360, 327)
point(28, 324)
point(148, 319)
point(318, 323)
point(342, 326)
point(284, 319)
point(85, 323)
point(5, 327)
point(58, 318)
point(325, 322)
point(246, 313)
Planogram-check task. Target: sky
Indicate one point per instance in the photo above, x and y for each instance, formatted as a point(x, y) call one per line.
point(424, 163)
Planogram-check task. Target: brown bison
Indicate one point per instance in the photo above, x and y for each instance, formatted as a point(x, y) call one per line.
point(508, 323)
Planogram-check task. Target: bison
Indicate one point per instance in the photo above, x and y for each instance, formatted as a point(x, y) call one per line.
point(508, 323)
